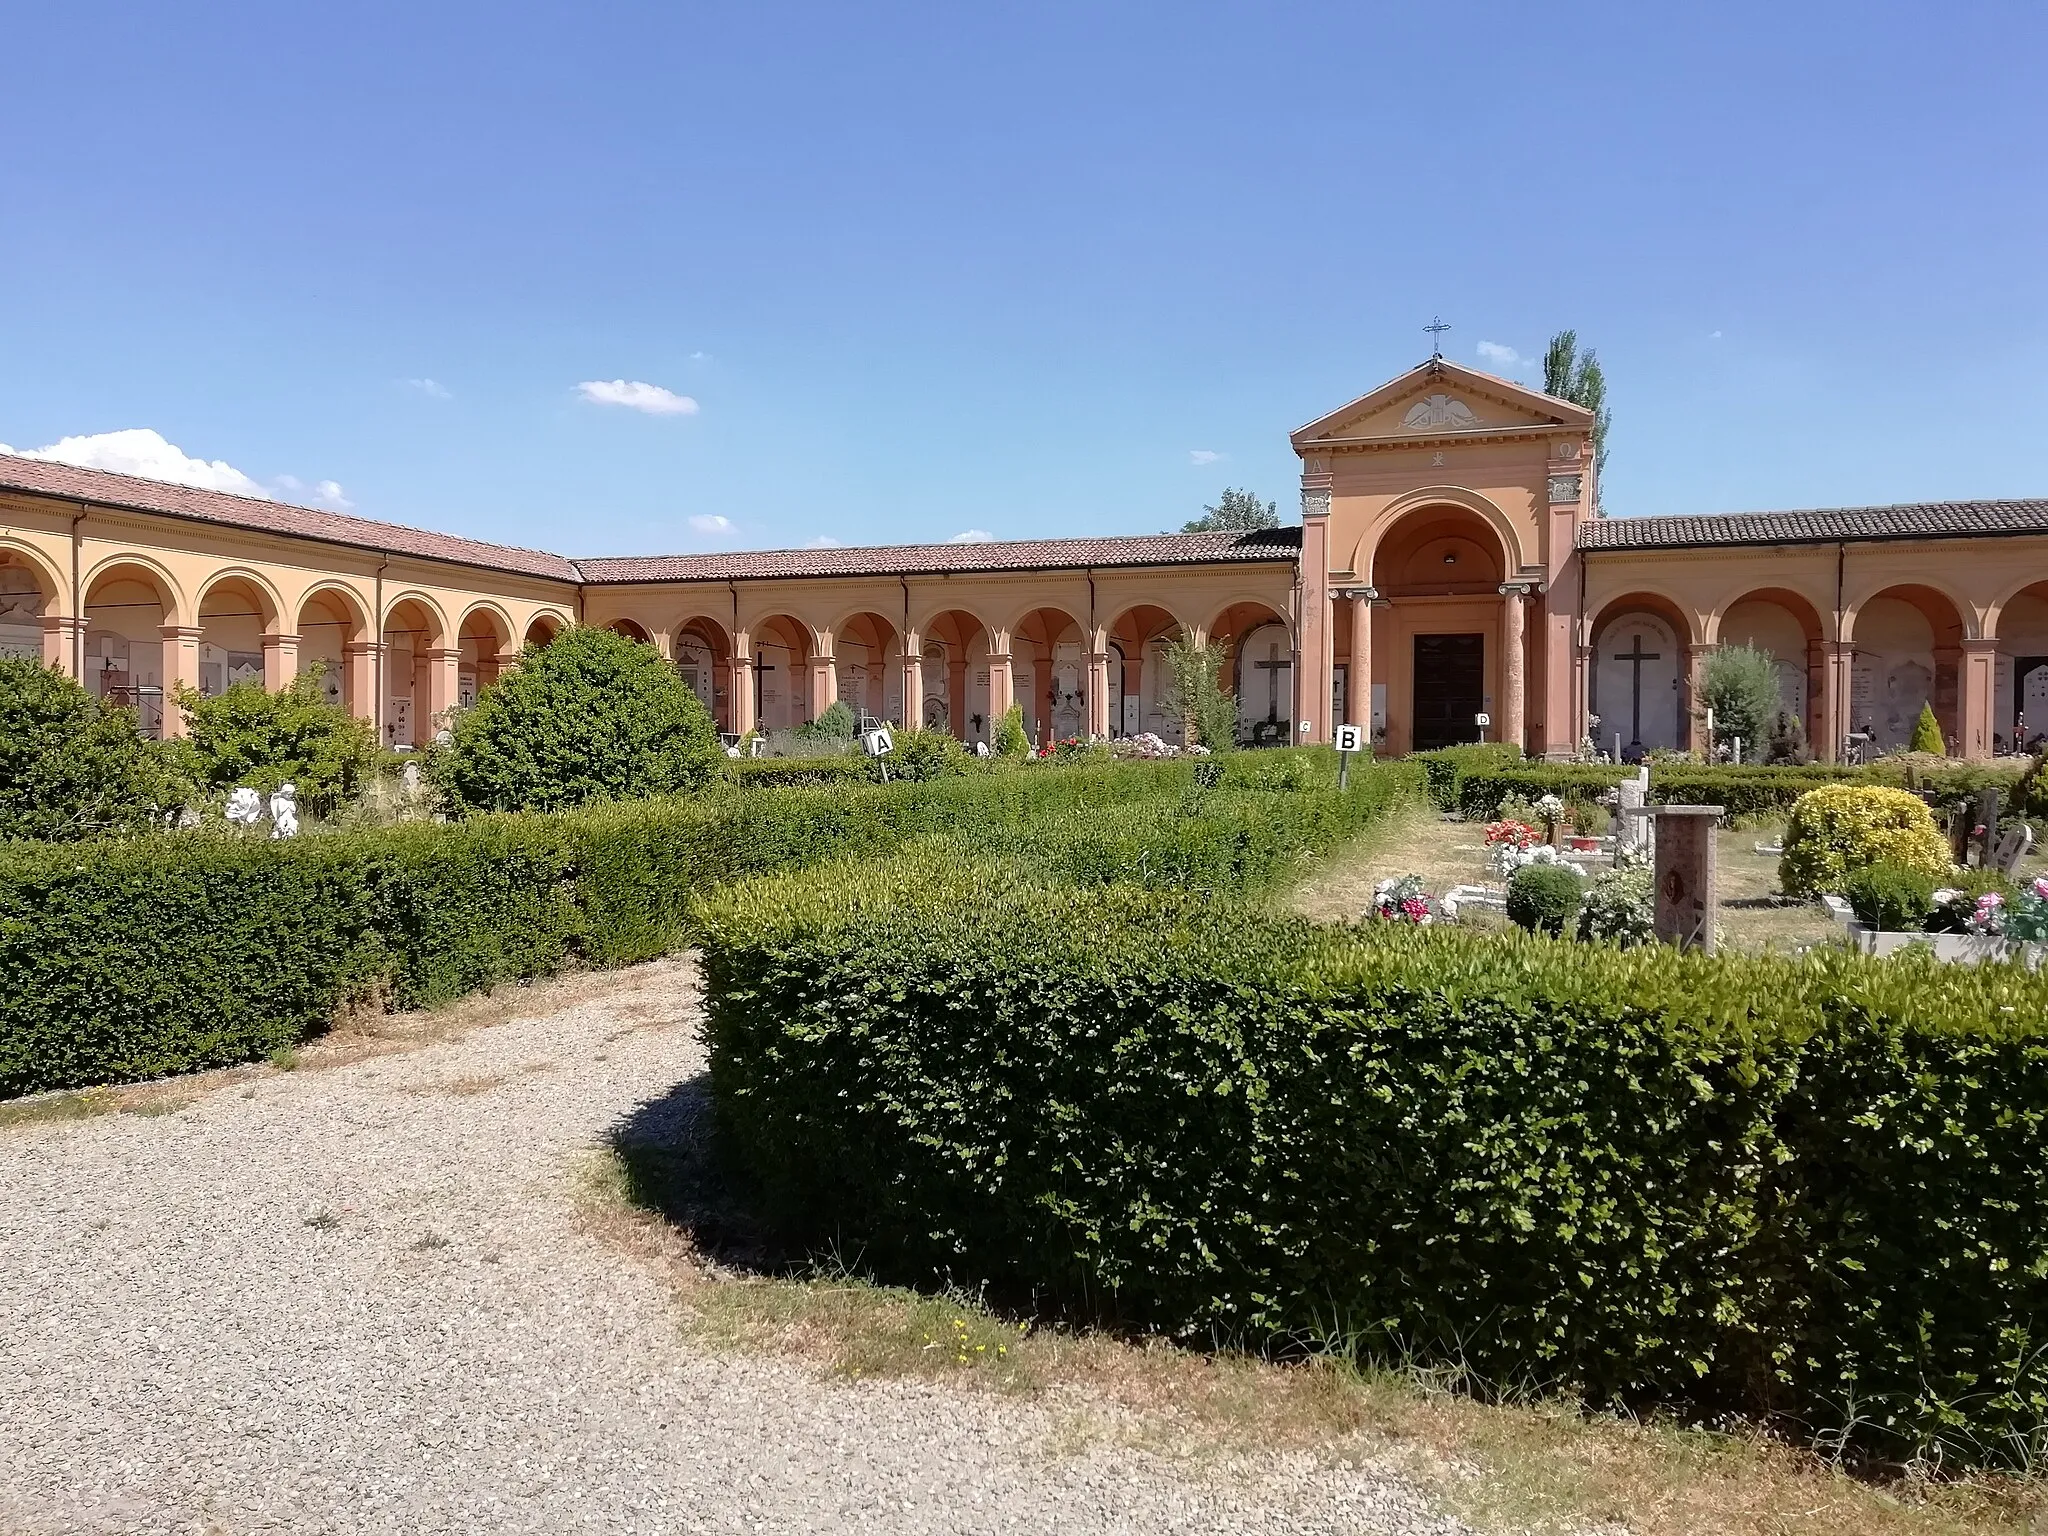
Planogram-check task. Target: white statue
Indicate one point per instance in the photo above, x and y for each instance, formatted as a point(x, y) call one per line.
point(409, 780)
point(284, 813)
point(245, 807)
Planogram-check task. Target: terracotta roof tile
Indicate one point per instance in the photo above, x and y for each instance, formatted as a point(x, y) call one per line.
point(133, 493)
point(1909, 520)
point(1272, 544)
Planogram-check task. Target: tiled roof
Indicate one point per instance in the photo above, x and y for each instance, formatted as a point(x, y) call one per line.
point(1910, 520)
point(132, 493)
point(1271, 544)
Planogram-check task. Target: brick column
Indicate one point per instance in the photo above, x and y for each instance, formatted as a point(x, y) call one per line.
point(913, 680)
point(1976, 681)
point(1358, 688)
point(62, 638)
point(181, 666)
point(444, 668)
point(1837, 677)
point(743, 715)
point(1514, 666)
point(1690, 706)
point(280, 661)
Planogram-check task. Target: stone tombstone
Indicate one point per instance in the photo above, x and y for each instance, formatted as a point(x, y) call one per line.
point(1687, 893)
point(1631, 827)
point(2012, 848)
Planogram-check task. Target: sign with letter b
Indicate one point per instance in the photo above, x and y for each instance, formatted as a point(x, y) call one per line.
point(1350, 738)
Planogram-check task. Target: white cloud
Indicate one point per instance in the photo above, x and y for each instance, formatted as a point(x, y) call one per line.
point(700, 357)
point(143, 451)
point(824, 541)
point(711, 522)
point(321, 493)
point(636, 396)
point(1713, 335)
point(973, 536)
point(1503, 356)
point(1203, 456)
point(431, 389)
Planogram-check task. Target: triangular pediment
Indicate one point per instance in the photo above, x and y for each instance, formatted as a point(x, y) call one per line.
point(1439, 398)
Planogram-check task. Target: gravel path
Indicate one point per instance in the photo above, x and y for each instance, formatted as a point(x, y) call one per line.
point(358, 1299)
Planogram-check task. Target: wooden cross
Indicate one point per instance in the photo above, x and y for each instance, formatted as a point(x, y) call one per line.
point(1636, 656)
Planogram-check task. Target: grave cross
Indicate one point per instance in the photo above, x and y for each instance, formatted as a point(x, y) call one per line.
point(1636, 656)
point(1271, 667)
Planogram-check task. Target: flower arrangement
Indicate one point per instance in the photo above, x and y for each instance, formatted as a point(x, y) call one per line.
point(1507, 844)
point(1404, 900)
point(2022, 917)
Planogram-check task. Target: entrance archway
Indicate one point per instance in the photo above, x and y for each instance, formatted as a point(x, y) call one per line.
point(127, 607)
point(1908, 645)
point(1049, 647)
point(1438, 631)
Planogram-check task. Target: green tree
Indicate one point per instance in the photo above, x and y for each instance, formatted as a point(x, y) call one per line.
point(1010, 738)
point(1927, 732)
point(1194, 692)
point(247, 735)
point(72, 766)
point(1740, 684)
point(1237, 512)
point(593, 716)
point(1572, 375)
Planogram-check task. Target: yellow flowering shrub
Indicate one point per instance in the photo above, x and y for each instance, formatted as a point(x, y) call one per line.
point(1841, 828)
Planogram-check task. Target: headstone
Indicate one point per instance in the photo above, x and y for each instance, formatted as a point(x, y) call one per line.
point(1687, 893)
point(2012, 848)
point(1987, 818)
point(1631, 827)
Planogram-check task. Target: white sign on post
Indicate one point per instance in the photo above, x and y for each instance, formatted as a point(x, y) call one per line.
point(879, 742)
point(1350, 738)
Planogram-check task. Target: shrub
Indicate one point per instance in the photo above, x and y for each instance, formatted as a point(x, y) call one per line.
point(1446, 768)
point(1194, 694)
point(1840, 828)
point(1893, 898)
point(72, 766)
point(764, 772)
point(1927, 733)
point(592, 716)
point(1010, 738)
point(1812, 1190)
point(1620, 908)
point(1788, 748)
point(922, 755)
point(2030, 795)
point(1543, 898)
point(247, 735)
point(1740, 683)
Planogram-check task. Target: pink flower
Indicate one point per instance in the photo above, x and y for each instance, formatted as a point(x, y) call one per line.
point(2041, 886)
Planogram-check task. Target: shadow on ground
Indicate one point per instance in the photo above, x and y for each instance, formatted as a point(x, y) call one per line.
point(669, 1155)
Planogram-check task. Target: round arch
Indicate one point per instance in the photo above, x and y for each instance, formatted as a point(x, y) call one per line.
point(1049, 648)
point(428, 609)
point(502, 627)
point(1638, 674)
point(1931, 597)
point(544, 627)
point(865, 643)
point(1907, 644)
point(632, 629)
point(49, 581)
point(238, 610)
point(330, 617)
point(954, 645)
point(169, 593)
point(269, 600)
point(782, 647)
point(1138, 681)
point(1422, 500)
point(483, 634)
point(700, 646)
point(340, 597)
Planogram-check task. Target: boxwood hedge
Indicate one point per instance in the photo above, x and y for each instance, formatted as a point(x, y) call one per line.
point(1806, 1190)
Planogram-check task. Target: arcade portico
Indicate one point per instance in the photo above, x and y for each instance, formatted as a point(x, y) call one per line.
point(1448, 569)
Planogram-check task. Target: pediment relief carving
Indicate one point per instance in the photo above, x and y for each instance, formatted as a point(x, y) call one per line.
point(1439, 413)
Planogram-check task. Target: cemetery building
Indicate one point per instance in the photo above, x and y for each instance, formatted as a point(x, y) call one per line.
point(1450, 580)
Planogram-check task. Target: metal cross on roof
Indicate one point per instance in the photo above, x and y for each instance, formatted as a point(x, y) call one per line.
point(1436, 329)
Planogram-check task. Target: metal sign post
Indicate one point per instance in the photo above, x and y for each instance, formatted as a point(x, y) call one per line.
point(1350, 739)
point(878, 744)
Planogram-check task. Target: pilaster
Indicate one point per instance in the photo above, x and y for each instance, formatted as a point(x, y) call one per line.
point(181, 668)
point(1314, 661)
point(280, 661)
point(1976, 687)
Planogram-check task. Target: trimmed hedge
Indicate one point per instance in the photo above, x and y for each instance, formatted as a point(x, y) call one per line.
point(1446, 768)
point(1815, 1190)
point(1747, 791)
point(130, 960)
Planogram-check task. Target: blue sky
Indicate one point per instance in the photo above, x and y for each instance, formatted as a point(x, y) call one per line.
point(1030, 270)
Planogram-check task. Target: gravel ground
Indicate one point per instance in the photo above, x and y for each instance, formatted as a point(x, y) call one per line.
point(357, 1298)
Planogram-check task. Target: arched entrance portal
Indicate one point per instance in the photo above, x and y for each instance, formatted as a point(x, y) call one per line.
point(1438, 638)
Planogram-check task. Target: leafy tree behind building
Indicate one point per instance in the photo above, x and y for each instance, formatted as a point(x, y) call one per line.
point(1238, 511)
point(1572, 375)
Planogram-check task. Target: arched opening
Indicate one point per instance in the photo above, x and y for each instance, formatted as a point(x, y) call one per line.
point(543, 630)
point(485, 637)
point(331, 629)
point(632, 630)
point(1784, 623)
point(126, 609)
point(1049, 651)
point(782, 673)
point(413, 637)
point(1908, 651)
point(2019, 698)
point(1138, 683)
point(954, 669)
point(703, 659)
point(1258, 669)
point(234, 615)
point(1438, 632)
point(864, 647)
point(25, 597)
point(1636, 691)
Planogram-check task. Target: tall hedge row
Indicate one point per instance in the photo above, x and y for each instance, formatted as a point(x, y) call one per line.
point(1813, 1190)
point(1482, 787)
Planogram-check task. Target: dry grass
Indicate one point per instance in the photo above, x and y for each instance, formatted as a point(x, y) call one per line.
point(1534, 1467)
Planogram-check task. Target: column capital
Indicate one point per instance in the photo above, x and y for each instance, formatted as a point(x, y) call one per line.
point(271, 641)
point(362, 647)
point(180, 631)
point(443, 653)
point(1980, 645)
point(1521, 588)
